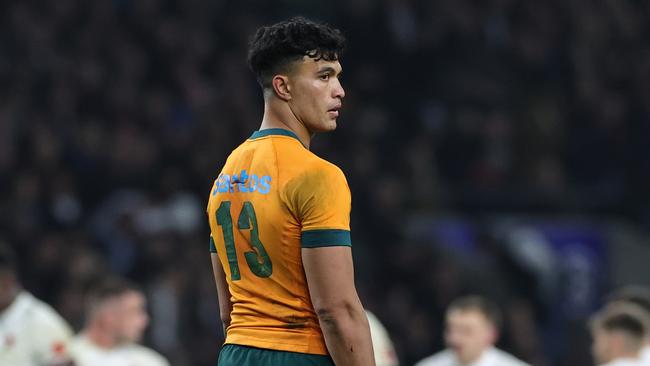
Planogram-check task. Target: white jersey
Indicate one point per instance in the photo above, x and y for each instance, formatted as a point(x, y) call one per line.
point(645, 355)
point(491, 357)
point(86, 353)
point(383, 347)
point(32, 334)
point(625, 362)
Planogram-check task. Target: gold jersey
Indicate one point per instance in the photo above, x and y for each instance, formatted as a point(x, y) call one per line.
point(272, 198)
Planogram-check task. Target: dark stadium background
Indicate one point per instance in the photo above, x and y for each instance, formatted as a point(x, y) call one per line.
point(498, 147)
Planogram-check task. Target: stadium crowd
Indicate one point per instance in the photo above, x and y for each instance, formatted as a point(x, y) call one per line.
point(115, 117)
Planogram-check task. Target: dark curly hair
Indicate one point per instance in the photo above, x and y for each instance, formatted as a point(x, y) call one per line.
point(273, 48)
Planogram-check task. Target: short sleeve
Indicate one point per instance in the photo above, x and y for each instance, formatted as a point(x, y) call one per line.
point(320, 199)
point(51, 338)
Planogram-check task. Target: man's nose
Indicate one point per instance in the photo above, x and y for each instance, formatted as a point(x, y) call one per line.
point(339, 92)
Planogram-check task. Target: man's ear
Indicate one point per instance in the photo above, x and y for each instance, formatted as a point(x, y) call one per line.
point(281, 87)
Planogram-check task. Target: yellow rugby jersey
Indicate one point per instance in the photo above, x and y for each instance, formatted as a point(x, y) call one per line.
point(272, 198)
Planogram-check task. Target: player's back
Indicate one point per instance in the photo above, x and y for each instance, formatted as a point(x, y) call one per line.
point(272, 198)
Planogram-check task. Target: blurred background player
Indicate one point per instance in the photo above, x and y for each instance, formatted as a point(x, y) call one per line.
point(31, 332)
point(619, 332)
point(472, 329)
point(640, 296)
point(381, 344)
point(116, 319)
point(280, 216)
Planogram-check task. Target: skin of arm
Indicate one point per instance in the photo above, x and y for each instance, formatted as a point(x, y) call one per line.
point(225, 305)
point(330, 277)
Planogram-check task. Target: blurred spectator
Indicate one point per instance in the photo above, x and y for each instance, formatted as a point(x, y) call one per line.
point(33, 334)
point(381, 343)
point(619, 332)
point(471, 331)
point(115, 321)
point(639, 296)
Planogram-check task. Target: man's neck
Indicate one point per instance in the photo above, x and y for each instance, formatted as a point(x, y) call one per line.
point(11, 299)
point(278, 115)
point(100, 337)
point(625, 355)
point(475, 359)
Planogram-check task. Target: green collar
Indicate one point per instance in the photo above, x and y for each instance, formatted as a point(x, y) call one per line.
point(274, 131)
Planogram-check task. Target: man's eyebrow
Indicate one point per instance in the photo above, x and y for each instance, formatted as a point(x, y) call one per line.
point(327, 70)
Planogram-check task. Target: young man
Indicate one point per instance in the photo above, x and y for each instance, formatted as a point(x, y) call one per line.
point(115, 321)
point(619, 332)
point(31, 332)
point(640, 296)
point(472, 329)
point(280, 216)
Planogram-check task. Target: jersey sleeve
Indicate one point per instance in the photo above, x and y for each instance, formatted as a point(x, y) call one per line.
point(51, 339)
point(321, 201)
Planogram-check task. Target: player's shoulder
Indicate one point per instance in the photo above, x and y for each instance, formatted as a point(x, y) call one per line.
point(645, 354)
point(146, 356)
point(81, 348)
point(319, 164)
point(626, 362)
point(42, 314)
point(442, 358)
point(81, 341)
point(314, 176)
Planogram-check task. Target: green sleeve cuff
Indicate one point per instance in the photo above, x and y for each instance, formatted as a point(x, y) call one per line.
point(325, 238)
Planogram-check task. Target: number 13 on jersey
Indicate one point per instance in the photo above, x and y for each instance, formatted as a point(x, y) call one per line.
point(257, 259)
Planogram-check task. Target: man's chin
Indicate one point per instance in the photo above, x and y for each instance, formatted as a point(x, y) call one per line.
point(328, 127)
point(331, 126)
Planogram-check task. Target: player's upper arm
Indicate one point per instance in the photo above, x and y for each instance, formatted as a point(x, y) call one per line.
point(330, 277)
point(225, 303)
point(52, 337)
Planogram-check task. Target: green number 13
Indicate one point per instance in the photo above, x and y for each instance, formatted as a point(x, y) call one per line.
point(258, 259)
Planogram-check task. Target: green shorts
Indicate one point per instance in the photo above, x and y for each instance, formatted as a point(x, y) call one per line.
point(237, 355)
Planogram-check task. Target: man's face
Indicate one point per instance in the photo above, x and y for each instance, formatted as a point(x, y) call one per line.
point(316, 93)
point(129, 317)
point(468, 334)
point(599, 349)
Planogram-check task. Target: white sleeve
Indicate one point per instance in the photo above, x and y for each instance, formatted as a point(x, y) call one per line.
point(51, 337)
point(645, 355)
point(382, 345)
